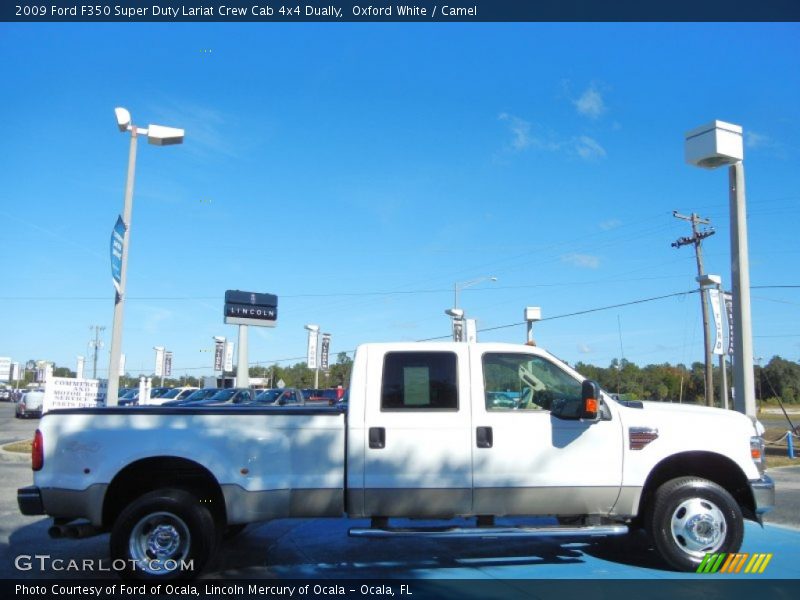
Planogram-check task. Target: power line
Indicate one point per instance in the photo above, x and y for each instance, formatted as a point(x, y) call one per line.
point(575, 314)
point(377, 293)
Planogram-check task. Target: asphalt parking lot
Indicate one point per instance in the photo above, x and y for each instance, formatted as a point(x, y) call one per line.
point(320, 549)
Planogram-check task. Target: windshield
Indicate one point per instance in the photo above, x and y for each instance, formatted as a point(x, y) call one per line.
point(201, 394)
point(268, 396)
point(223, 395)
point(173, 393)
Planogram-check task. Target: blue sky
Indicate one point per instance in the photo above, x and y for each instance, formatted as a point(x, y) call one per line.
point(358, 171)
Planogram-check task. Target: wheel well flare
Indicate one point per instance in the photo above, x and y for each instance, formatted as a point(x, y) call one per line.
point(157, 472)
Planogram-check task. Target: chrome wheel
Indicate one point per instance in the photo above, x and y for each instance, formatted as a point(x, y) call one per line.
point(158, 538)
point(698, 527)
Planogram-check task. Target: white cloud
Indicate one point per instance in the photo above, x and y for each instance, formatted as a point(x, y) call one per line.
point(753, 140)
point(588, 148)
point(582, 261)
point(584, 146)
point(590, 104)
point(584, 348)
point(521, 130)
point(610, 224)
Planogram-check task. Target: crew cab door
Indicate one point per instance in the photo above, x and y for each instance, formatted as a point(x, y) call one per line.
point(526, 460)
point(417, 456)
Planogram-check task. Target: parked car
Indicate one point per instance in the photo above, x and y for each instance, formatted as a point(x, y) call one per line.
point(225, 397)
point(131, 398)
point(128, 397)
point(201, 394)
point(280, 397)
point(328, 396)
point(30, 405)
point(5, 393)
point(177, 393)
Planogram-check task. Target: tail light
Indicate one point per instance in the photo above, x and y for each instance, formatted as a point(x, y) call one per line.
point(37, 451)
point(757, 452)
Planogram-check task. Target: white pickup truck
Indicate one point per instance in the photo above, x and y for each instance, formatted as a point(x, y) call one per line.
point(433, 431)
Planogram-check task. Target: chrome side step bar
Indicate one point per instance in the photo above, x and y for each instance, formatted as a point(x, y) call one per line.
point(490, 532)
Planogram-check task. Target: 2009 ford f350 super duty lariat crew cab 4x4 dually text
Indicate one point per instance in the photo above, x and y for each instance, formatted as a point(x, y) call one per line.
point(434, 431)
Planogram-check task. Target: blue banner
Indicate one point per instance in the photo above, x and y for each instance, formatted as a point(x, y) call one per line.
point(117, 244)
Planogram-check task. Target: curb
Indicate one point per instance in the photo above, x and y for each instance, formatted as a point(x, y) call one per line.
point(6, 456)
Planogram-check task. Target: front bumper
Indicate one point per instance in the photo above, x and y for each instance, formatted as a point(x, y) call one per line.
point(763, 494)
point(29, 500)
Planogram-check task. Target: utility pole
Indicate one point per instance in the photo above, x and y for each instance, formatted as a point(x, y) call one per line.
point(697, 241)
point(96, 344)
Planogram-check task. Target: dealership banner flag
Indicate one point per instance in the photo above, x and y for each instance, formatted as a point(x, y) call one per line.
point(311, 358)
point(219, 352)
point(715, 310)
point(326, 345)
point(117, 244)
point(167, 364)
point(728, 297)
point(159, 360)
point(229, 356)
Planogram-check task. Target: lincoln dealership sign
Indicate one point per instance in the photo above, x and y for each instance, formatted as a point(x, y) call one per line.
point(250, 308)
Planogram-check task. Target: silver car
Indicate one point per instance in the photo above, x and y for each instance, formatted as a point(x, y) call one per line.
point(30, 405)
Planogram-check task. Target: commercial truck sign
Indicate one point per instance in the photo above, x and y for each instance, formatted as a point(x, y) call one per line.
point(66, 392)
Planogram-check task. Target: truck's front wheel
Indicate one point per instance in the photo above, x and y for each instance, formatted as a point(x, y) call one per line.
point(692, 517)
point(164, 534)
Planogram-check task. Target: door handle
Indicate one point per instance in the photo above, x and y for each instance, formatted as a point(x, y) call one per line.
point(377, 437)
point(484, 437)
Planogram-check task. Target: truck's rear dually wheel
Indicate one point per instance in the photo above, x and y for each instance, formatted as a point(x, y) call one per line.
point(164, 534)
point(692, 517)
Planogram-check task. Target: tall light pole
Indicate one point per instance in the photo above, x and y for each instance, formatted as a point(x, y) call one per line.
point(157, 135)
point(710, 146)
point(457, 287)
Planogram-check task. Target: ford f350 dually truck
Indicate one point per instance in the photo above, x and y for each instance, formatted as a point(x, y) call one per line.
point(435, 431)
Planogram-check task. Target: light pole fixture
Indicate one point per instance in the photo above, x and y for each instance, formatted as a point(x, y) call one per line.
point(311, 358)
point(457, 316)
point(157, 135)
point(532, 314)
point(464, 285)
point(711, 146)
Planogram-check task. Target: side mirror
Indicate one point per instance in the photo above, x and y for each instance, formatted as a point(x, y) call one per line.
point(590, 395)
point(586, 407)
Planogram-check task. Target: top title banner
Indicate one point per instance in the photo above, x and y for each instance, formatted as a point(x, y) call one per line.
point(378, 11)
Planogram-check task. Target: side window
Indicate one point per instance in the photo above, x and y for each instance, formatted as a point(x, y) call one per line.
point(419, 381)
point(526, 382)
